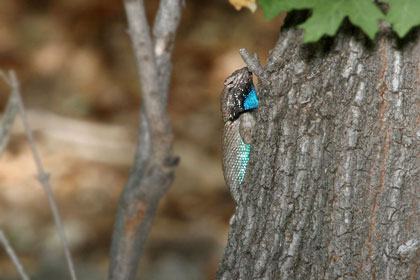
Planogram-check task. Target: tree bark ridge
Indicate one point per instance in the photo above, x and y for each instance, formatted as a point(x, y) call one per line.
point(332, 187)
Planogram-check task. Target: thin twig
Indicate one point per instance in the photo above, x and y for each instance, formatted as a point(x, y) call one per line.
point(9, 116)
point(253, 64)
point(12, 255)
point(42, 176)
point(153, 168)
point(4, 76)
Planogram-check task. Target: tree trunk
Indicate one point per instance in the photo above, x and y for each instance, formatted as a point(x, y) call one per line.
point(332, 189)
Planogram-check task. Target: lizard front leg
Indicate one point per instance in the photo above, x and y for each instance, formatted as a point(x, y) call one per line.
point(246, 126)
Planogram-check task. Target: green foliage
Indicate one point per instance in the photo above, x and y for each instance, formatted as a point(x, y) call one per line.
point(403, 15)
point(272, 8)
point(327, 15)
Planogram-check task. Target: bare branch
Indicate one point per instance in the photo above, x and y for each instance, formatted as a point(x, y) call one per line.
point(4, 76)
point(9, 116)
point(253, 64)
point(12, 255)
point(152, 171)
point(166, 23)
point(148, 73)
point(42, 176)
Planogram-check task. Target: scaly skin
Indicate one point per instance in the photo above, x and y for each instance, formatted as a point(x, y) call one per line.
point(238, 98)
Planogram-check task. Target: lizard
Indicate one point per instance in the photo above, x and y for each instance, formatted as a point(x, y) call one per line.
point(238, 101)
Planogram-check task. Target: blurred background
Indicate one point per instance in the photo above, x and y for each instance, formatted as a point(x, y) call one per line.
point(79, 83)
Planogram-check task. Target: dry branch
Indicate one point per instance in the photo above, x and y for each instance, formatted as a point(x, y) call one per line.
point(8, 117)
point(12, 255)
point(42, 176)
point(253, 64)
point(153, 168)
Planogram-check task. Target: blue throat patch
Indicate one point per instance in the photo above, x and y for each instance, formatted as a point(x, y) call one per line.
point(251, 100)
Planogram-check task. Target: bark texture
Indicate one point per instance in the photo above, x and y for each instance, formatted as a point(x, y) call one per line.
point(332, 189)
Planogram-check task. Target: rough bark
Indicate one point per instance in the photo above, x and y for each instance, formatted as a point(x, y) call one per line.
point(332, 190)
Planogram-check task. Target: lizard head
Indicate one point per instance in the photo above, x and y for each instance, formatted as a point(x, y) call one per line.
point(238, 95)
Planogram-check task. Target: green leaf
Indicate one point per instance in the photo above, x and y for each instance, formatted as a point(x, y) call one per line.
point(272, 8)
point(403, 15)
point(327, 16)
